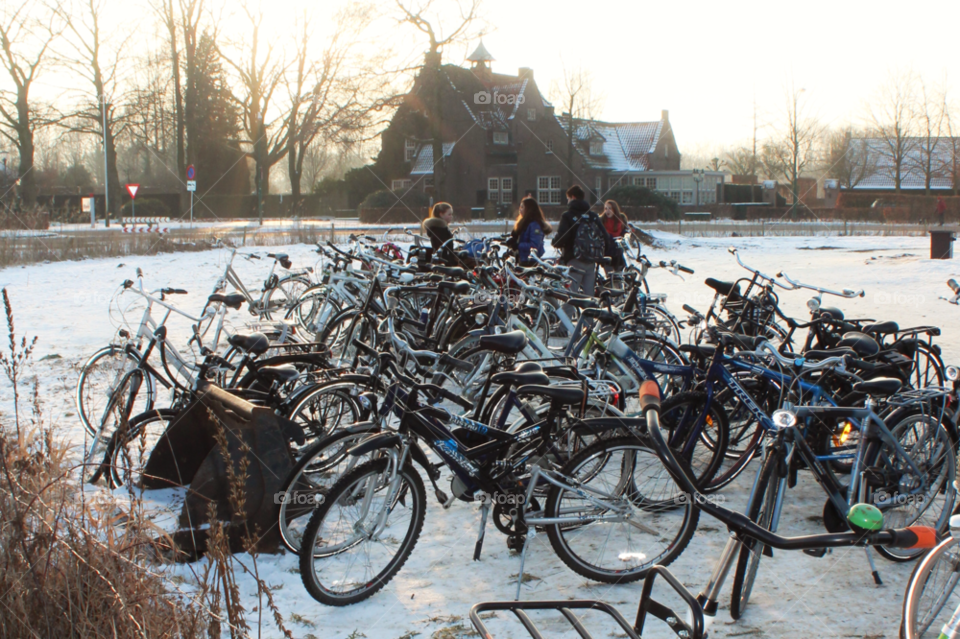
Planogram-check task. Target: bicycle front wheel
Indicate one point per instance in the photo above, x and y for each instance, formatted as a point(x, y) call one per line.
point(932, 596)
point(362, 534)
point(99, 377)
point(122, 404)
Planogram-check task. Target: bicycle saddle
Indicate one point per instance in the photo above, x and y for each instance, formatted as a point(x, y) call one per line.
point(450, 271)
point(878, 386)
point(279, 373)
point(254, 343)
point(234, 300)
point(817, 355)
point(522, 375)
point(283, 258)
point(863, 344)
point(881, 328)
point(457, 288)
point(831, 312)
point(724, 288)
point(560, 395)
point(509, 343)
point(583, 302)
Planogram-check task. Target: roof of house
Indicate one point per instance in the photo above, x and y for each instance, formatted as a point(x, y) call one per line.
point(912, 174)
point(481, 54)
point(423, 163)
point(625, 145)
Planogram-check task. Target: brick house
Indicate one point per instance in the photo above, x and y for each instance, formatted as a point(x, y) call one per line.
point(502, 141)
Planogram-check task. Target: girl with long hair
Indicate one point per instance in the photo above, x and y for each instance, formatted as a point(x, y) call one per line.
point(529, 230)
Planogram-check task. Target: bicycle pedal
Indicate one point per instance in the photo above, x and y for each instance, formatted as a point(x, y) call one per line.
point(815, 552)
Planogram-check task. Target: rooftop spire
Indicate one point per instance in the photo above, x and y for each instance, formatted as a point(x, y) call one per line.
point(481, 54)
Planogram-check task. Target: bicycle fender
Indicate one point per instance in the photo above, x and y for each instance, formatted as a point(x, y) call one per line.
point(375, 442)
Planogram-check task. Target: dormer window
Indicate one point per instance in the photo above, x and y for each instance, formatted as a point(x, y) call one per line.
point(409, 150)
point(501, 137)
point(596, 147)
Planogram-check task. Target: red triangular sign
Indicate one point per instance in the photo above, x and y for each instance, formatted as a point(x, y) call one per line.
point(132, 190)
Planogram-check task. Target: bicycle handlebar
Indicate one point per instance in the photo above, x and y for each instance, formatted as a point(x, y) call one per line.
point(847, 293)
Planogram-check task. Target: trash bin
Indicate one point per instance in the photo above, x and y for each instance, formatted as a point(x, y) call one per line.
point(941, 244)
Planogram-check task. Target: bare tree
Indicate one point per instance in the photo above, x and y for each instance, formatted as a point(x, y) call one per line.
point(891, 116)
point(26, 33)
point(418, 15)
point(791, 150)
point(930, 112)
point(101, 61)
point(848, 158)
point(952, 164)
point(152, 120)
point(580, 101)
point(327, 97)
point(742, 161)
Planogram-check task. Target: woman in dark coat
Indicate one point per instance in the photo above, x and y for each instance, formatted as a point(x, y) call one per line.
point(529, 231)
point(437, 228)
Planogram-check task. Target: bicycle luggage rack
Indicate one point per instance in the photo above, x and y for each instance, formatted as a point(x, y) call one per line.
point(566, 608)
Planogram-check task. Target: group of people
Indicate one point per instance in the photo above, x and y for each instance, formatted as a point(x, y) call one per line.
point(583, 237)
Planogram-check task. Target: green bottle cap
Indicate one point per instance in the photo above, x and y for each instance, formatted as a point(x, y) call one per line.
point(865, 517)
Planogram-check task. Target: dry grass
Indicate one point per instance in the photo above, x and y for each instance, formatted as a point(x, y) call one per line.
point(78, 563)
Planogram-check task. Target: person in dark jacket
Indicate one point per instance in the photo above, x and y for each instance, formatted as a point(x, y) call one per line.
point(437, 228)
point(529, 231)
point(584, 273)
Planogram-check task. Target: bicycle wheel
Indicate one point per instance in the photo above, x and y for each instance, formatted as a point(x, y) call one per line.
point(317, 470)
point(340, 332)
point(99, 376)
point(347, 553)
point(761, 511)
point(283, 297)
point(931, 596)
point(651, 347)
point(130, 450)
point(322, 409)
point(682, 413)
point(637, 516)
point(314, 309)
point(900, 496)
point(121, 405)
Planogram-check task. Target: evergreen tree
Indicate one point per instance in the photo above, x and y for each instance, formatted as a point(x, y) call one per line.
point(215, 127)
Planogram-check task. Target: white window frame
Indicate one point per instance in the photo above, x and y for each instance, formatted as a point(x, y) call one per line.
point(506, 190)
point(618, 180)
point(651, 183)
point(596, 147)
point(501, 137)
point(396, 185)
point(687, 197)
point(493, 190)
point(599, 184)
point(428, 182)
point(675, 196)
point(531, 115)
point(548, 189)
point(549, 146)
point(409, 150)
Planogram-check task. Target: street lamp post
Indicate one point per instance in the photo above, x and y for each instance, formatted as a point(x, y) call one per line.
point(106, 172)
point(697, 179)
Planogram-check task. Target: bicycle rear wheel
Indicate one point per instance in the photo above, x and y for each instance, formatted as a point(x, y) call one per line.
point(932, 596)
point(129, 451)
point(642, 519)
point(100, 375)
point(114, 424)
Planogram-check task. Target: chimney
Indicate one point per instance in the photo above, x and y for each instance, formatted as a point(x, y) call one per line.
point(525, 72)
point(665, 116)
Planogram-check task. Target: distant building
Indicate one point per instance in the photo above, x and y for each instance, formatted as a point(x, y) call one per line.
point(874, 169)
point(502, 140)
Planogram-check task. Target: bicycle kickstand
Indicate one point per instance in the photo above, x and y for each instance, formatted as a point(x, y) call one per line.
point(484, 510)
point(531, 533)
point(873, 567)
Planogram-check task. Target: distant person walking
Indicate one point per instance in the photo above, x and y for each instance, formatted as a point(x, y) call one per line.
point(941, 210)
point(582, 240)
point(529, 231)
point(437, 228)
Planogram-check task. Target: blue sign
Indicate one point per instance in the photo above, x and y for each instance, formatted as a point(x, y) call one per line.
point(191, 173)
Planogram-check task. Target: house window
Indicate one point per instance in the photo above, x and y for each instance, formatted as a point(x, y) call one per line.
point(501, 137)
point(617, 181)
point(599, 186)
point(427, 182)
point(651, 184)
point(675, 196)
point(493, 189)
point(549, 146)
point(506, 190)
point(531, 114)
point(396, 185)
point(639, 181)
point(409, 150)
point(548, 189)
point(687, 197)
point(596, 148)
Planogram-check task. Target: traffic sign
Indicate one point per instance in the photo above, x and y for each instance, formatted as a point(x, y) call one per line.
point(191, 185)
point(191, 173)
point(132, 190)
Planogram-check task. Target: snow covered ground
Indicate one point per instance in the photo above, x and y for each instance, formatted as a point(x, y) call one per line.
point(66, 305)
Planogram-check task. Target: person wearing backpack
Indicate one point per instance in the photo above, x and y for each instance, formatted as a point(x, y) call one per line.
point(582, 240)
point(528, 231)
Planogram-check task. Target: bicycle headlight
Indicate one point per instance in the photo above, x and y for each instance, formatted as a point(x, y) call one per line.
point(481, 318)
point(784, 418)
point(813, 304)
point(953, 373)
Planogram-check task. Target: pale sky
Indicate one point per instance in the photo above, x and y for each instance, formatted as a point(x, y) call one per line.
point(703, 61)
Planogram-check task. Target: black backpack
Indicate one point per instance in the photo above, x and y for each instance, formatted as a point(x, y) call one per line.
point(589, 243)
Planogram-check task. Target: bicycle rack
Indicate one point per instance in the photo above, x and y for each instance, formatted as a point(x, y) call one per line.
point(647, 606)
